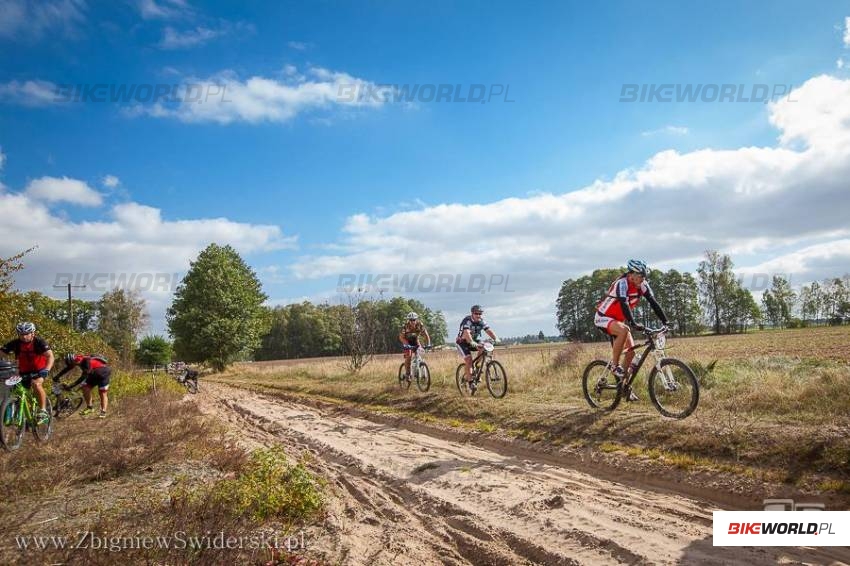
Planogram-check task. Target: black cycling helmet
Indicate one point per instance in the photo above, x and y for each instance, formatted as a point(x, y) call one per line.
point(70, 359)
point(476, 309)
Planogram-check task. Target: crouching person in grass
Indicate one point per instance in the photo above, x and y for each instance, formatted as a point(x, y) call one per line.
point(95, 373)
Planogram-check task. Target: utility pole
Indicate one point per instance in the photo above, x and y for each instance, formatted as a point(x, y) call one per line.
point(70, 304)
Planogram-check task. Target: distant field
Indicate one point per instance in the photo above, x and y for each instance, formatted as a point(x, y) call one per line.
point(824, 343)
point(776, 401)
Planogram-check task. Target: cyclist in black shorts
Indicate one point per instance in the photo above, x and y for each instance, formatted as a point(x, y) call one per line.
point(409, 337)
point(469, 335)
point(95, 373)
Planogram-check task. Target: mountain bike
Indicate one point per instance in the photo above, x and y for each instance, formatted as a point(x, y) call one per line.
point(418, 370)
point(19, 412)
point(673, 387)
point(65, 402)
point(494, 374)
point(189, 379)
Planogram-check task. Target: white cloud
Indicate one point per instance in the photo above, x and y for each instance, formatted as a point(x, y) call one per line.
point(174, 39)
point(2, 159)
point(28, 93)
point(111, 181)
point(847, 31)
point(52, 189)
point(34, 20)
point(164, 9)
point(816, 115)
point(671, 130)
point(809, 263)
point(839, 63)
point(260, 99)
point(753, 200)
point(131, 242)
point(297, 45)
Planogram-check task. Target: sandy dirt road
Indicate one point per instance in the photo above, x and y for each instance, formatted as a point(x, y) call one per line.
point(402, 497)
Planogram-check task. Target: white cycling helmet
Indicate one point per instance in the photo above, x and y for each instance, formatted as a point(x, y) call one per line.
point(412, 316)
point(25, 328)
point(637, 266)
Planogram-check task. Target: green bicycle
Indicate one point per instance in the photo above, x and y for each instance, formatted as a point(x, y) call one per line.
point(19, 413)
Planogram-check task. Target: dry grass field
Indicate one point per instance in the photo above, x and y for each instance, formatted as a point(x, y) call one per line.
point(774, 404)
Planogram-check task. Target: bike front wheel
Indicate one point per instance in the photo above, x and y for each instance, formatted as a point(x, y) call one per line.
point(423, 380)
point(497, 379)
point(600, 387)
point(403, 382)
point(44, 430)
point(12, 424)
point(674, 390)
point(192, 386)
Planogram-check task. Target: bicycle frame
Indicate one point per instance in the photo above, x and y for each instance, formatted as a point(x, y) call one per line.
point(654, 337)
point(28, 401)
point(415, 359)
point(481, 360)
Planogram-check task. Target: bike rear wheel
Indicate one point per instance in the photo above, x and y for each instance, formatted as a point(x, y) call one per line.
point(12, 424)
point(600, 387)
point(497, 379)
point(423, 380)
point(403, 382)
point(460, 380)
point(675, 392)
point(66, 406)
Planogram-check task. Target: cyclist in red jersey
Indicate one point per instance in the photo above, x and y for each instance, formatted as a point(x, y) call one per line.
point(615, 310)
point(95, 373)
point(35, 360)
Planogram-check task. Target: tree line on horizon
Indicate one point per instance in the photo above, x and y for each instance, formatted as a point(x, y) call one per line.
point(712, 300)
point(219, 314)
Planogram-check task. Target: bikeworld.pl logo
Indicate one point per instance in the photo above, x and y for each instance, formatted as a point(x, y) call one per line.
point(781, 528)
point(424, 283)
point(104, 282)
point(410, 93)
point(698, 92)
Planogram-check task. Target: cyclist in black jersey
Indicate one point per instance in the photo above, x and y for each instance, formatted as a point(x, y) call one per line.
point(469, 334)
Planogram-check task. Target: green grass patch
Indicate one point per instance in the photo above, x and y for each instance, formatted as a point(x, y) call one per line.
point(268, 487)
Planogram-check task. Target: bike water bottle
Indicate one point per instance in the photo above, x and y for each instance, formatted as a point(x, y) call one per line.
point(632, 368)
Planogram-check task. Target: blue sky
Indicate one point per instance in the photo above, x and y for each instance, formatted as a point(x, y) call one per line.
point(312, 169)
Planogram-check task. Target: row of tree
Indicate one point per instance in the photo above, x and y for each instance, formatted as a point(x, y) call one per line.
point(715, 299)
point(578, 299)
point(826, 302)
point(43, 311)
point(305, 329)
point(218, 317)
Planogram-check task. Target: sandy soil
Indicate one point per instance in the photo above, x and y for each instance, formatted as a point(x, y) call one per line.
point(404, 497)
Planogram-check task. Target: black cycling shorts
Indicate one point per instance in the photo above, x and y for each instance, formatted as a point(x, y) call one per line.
point(99, 378)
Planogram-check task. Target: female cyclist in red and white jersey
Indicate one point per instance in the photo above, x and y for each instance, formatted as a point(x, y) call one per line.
point(616, 309)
